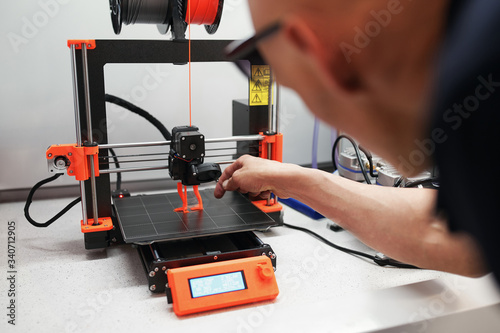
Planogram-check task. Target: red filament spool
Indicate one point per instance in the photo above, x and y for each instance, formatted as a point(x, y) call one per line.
point(203, 11)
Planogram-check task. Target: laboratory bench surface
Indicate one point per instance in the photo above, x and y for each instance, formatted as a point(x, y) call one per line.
point(61, 287)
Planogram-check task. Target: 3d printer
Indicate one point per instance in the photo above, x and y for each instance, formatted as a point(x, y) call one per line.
point(204, 256)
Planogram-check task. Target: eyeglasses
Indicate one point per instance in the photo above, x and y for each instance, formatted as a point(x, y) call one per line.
point(242, 53)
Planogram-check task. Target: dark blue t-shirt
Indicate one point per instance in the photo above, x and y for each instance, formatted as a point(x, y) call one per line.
point(467, 109)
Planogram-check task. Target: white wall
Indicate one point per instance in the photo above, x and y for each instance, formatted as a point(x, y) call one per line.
point(36, 89)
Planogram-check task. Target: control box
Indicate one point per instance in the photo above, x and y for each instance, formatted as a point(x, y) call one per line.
point(223, 284)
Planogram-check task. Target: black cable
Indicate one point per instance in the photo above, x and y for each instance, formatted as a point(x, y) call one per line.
point(117, 165)
point(399, 181)
point(379, 260)
point(358, 156)
point(386, 261)
point(141, 112)
point(111, 99)
point(431, 181)
point(30, 199)
point(370, 161)
point(326, 241)
point(422, 182)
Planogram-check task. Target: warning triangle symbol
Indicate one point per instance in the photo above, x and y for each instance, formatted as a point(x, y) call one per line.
point(258, 86)
point(256, 99)
point(258, 72)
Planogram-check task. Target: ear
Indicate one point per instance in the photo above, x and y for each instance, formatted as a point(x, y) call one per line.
point(300, 34)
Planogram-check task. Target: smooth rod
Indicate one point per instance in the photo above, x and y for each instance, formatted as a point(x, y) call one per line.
point(166, 143)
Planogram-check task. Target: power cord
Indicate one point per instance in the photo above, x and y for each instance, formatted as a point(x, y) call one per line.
point(358, 156)
point(379, 259)
point(432, 182)
point(30, 199)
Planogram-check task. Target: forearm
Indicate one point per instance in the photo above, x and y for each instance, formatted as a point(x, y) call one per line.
point(397, 222)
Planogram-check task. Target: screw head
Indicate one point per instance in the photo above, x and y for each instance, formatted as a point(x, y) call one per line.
point(164, 268)
point(50, 155)
point(152, 287)
point(152, 274)
point(215, 257)
point(70, 154)
point(156, 269)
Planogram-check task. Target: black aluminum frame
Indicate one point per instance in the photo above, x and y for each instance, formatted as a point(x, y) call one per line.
point(123, 52)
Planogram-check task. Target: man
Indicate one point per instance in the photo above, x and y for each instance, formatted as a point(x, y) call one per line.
point(415, 82)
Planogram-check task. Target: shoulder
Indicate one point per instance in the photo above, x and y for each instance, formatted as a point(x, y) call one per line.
point(471, 47)
point(467, 85)
point(467, 109)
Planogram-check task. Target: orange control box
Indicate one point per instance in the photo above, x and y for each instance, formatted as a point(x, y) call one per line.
point(222, 284)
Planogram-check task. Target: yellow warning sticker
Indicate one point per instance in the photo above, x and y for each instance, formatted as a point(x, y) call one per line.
point(259, 85)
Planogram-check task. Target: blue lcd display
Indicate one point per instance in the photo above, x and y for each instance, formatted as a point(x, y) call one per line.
point(217, 284)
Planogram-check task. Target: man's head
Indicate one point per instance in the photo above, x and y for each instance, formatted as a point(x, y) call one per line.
point(363, 66)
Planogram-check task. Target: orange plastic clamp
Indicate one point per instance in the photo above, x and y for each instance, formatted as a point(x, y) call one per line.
point(272, 208)
point(78, 43)
point(105, 224)
point(79, 165)
point(276, 148)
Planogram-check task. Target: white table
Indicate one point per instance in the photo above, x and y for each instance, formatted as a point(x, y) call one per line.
point(61, 287)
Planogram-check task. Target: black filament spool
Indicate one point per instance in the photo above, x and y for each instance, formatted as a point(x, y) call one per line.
point(139, 11)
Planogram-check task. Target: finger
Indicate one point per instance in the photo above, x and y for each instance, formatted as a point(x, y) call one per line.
point(230, 184)
point(265, 195)
point(219, 190)
point(228, 172)
point(260, 195)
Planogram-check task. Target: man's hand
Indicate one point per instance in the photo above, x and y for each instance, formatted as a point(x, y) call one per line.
point(255, 176)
